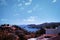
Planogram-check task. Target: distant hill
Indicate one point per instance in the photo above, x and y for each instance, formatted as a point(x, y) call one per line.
point(34, 27)
point(52, 24)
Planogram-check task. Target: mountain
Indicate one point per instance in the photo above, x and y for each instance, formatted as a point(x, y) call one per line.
point(34, 27)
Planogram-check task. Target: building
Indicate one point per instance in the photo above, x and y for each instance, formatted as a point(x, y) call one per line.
point(53, 30)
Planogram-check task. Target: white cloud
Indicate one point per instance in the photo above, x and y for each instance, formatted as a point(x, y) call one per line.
point(4, 19)
point(28, 3)
point(36, 6)
point(54, 1)
point(33, 9)
point(29, 11)
point(16, 14)
point(33, 20)
point(20, 4)
point(30, 19)
point(23, 1)
point(18, 0)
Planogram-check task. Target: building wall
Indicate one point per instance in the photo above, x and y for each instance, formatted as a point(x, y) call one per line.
point(58, 29)
point(53, 31)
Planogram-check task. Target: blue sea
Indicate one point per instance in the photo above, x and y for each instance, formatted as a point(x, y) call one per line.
point(26, 27)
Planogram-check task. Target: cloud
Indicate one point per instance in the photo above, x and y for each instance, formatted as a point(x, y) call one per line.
point(36, 7)
point(31, 20)
point(24, 3)
point(18, 0)
point(54, 1)
point(16, 14)
point(20, 4)
point(4, 19)
point(29, 11)
point(33, 9)
point(28, 3)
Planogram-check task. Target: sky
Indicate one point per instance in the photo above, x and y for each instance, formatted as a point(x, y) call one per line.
point(29, 11)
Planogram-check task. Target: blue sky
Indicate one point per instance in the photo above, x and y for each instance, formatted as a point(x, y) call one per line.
point(29, 11)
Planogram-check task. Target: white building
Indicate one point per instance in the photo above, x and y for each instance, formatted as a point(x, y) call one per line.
point(53, 31)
